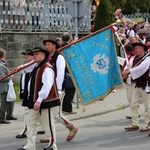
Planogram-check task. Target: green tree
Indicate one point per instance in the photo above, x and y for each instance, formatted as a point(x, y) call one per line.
point(118, 4)
point(130, 7)
point(144, 7)
point(104, 15)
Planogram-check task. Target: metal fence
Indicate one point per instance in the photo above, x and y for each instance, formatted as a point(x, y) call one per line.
point(138, 17)
point(39, 16)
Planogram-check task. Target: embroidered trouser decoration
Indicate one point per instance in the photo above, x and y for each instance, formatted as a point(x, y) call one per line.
point(50, 147)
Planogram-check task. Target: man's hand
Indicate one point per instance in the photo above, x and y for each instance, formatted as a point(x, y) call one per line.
point(125, 73)
point(37, 106)
point(16, 69)
point(12, 76)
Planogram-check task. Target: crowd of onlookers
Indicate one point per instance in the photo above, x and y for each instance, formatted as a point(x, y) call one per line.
point(130, 32)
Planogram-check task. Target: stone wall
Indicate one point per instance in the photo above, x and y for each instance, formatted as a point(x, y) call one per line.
point(16, 42)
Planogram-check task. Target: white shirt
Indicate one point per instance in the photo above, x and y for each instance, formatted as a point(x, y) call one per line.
point(60, 65)
point(26, 70)
point(121, 61)
point(131, 33)
point(47, 80)
point(140, 70)
point(29, 68)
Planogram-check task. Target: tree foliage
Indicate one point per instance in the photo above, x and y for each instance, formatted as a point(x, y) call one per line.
point(106, 9)
point(104, 15)
point(130, 7)
point(144, 6)
point(118, 4)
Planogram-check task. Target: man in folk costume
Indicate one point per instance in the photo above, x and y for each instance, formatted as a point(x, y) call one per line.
point(25, 75)
point(58, 62)
point(148, 83)
point(43, 100)
point(147, 43)
point(139, 76)
point(126, 64)
point(147, 89)
point(142, 66)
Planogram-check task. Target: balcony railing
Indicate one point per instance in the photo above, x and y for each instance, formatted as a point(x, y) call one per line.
point(39, 16)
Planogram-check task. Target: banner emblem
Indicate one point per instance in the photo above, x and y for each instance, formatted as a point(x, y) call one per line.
point(100, 64)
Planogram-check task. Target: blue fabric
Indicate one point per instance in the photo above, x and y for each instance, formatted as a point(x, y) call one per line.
point(94, 66)
point(69, 83)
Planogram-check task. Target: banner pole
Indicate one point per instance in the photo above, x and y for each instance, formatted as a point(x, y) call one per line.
point(16, 71)
point(92, 34)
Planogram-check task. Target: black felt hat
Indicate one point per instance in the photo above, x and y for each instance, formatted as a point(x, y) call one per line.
point(140, 44)
point(129, 47)
point(38, 48)
point(27, 51)
point(52, 41)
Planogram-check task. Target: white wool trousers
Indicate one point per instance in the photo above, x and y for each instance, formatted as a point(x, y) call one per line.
point(140, 95)
point(129, 89)
point(47, 119)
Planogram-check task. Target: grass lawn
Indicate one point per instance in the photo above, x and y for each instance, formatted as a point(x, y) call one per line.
point(17, 88)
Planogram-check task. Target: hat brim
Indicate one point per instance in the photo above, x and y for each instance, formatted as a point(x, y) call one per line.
point(140, 44)
point(23, 53)
point(52, 41)
point(27, 51)
point(39, 50)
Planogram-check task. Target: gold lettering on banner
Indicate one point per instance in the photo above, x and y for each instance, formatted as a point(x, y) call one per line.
point(84, 70)
point(101, 45)
point(107, 36)
point(70, 54)
point(87, 94)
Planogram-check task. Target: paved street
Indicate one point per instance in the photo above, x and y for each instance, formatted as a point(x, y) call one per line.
point(101, 127)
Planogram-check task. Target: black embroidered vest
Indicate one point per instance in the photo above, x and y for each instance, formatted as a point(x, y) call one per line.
point(24, 93)
point(142, 80)
point(53, 60)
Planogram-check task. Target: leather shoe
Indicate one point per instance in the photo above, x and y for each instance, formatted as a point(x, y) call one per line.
point(11, 118)
point(129, 117)
point(73, 130)
point(132, 128)
point(19, 136)
point(40, 132)
point(49, 148)
point(144, 129)
point(21, 148)
point(69, 113)
point(4, 122)
point(44, 140)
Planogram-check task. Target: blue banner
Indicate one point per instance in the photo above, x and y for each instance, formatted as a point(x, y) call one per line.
point(93, 66)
